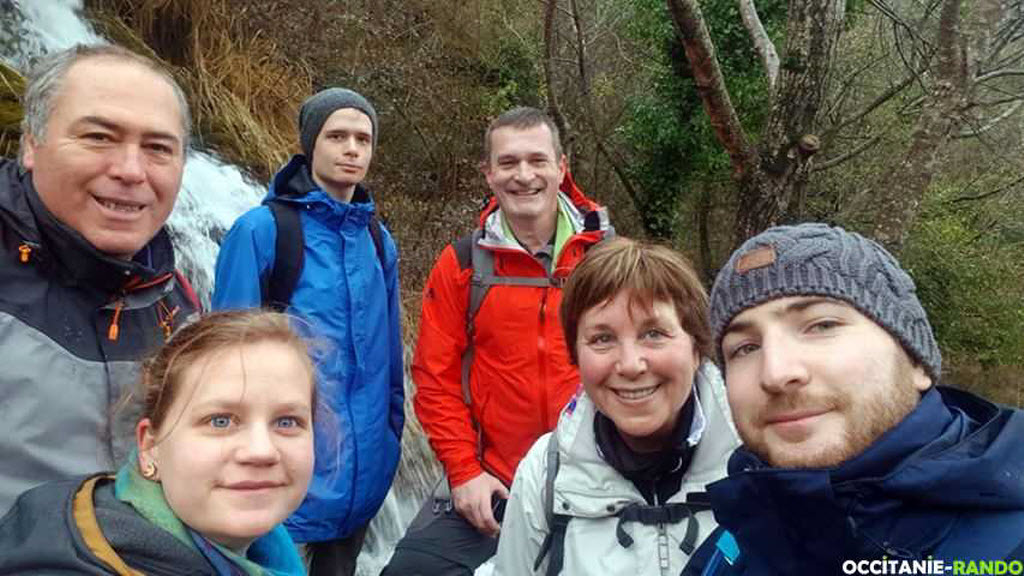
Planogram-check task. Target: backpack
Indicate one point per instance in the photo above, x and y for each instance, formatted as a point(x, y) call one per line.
point(289, 249)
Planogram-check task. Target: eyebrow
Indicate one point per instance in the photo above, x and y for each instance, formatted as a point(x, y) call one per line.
point(799, 306)
point(114, 127)
point(348, 131)
point(234, 405)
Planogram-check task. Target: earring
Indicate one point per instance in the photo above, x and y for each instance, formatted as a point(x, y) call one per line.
point(149, 471)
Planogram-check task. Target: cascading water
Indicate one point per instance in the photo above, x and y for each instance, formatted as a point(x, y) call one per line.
point(213, 195)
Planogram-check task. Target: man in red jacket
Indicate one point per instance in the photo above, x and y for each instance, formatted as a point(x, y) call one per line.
point(483, 410)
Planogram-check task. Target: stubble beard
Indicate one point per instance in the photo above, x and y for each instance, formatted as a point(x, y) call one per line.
point(866, 420)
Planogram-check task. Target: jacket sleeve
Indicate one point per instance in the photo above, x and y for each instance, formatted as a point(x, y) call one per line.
point(395, 352)
point(246, 254)
point(437, 369)
point(525, 525)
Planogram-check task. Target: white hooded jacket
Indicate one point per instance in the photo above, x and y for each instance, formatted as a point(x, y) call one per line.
point(590, 491)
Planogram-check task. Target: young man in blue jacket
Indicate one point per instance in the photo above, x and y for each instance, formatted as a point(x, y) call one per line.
point(346, 292)
point(853, 461)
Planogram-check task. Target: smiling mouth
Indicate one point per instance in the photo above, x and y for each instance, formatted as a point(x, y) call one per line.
point(794, 417)
point(124, 207)
point(636, 393)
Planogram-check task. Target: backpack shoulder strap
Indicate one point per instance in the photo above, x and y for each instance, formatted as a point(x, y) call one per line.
point(288, 256)
point(470, 255)
point(189, 291)
point(554, 542)
point(378, 239)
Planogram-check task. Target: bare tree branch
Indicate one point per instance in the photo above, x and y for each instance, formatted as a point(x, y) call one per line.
point(763, 45)
point(550, 49)
point(848, 155)
point(975, 132)
point(707, 76)
point(988, 194)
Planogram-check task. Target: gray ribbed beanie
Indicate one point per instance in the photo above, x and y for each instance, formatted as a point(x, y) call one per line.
point(821, 260)
point(319, 107)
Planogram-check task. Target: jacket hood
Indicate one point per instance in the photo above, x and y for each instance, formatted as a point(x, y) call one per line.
point(294, 182)
point(61, 250)
point(955, 455)
point(586, 216)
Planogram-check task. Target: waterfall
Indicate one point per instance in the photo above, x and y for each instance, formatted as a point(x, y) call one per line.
point(213, 195)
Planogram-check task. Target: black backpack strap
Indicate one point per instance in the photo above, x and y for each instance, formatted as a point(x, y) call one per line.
point(377, 235)
point(672, 513)
point(288, 256)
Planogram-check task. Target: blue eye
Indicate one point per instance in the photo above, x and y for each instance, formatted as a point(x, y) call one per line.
point(288, 422)
point(220, 421)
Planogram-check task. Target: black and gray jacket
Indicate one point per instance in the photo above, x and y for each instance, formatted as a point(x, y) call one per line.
point(78, 526)
point(74, 324)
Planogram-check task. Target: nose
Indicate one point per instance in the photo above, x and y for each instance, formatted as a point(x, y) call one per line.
point(524, 172)
point(350, 147)
point(258, 447)
point(128, 166)
point(782, 366)
point(632, 362)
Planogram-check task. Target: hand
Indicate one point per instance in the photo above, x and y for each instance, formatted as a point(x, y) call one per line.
point(473, 501)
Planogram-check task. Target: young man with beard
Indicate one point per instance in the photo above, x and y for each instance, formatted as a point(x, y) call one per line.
point(850, 451)
point(344, 287)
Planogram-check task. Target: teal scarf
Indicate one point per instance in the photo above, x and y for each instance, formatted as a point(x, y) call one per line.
point(274, 554)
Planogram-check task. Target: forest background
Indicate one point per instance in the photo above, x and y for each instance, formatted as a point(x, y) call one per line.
point(697, 123)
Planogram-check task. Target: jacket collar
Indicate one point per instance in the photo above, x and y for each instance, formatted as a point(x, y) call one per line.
point(590, 484)
point(899, 498)
point(63, 252)
point(294, 181)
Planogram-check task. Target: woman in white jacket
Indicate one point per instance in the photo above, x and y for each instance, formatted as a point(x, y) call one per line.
point(617, 487)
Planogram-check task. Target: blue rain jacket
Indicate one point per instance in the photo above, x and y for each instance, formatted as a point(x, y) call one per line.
point(351, 302)
point(946, 483)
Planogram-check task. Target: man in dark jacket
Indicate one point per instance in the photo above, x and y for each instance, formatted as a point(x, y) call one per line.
point(87, 278)
point(347, 290)
point(851, 455)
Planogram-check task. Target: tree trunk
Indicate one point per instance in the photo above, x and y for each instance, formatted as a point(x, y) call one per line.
point(906, 182)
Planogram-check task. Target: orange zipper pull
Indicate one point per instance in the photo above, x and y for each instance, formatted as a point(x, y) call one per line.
point(25, 250)
point(114, 330)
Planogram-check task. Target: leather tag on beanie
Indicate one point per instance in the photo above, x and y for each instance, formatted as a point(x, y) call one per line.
point(756, 258)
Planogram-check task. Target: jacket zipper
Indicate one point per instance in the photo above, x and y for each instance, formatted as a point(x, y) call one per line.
point(663, 555)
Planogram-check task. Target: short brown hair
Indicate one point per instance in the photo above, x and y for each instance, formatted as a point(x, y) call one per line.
point(648, 273)
point(522, 118)
point(161, 377)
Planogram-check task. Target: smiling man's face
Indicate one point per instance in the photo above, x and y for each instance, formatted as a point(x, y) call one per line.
point(812, 382)
point(110, 162)
point(524, 172)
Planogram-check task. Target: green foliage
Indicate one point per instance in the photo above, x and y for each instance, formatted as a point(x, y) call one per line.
point(512, 74)
point(673, 144)
point(968, 278)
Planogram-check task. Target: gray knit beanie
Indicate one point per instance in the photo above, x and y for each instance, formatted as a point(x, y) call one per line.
point(821, 260)
point(319, 107)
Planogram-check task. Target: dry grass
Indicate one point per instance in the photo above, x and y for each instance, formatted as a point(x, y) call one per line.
point(12, 86)
point(244, 95)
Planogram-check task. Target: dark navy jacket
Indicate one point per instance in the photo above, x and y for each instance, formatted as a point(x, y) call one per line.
point(350, 298)
point(947, 483)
